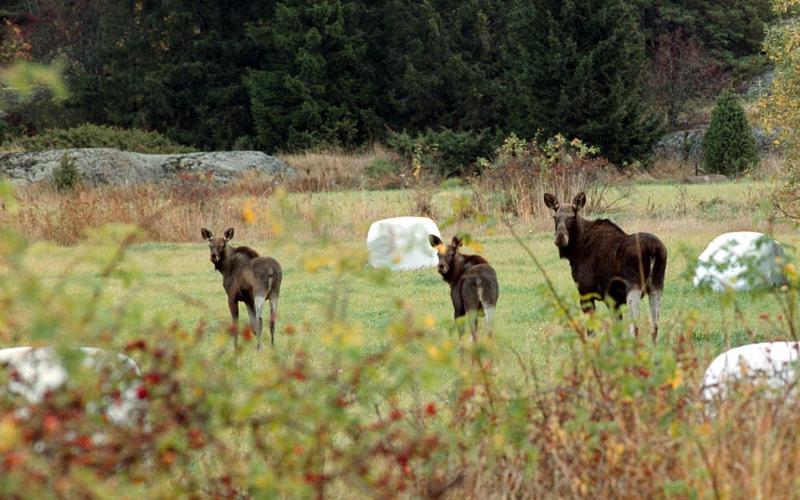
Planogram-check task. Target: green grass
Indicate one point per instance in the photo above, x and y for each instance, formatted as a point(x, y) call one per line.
point(171, 273)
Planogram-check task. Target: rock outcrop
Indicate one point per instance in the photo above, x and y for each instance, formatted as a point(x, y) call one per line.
point(687, 145)
point(107, 166)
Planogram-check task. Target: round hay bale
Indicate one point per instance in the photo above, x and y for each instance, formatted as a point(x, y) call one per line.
point(740, 261)
point(771, 363)
point(401, 243)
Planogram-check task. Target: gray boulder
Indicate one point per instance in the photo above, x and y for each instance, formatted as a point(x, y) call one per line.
point(107, 166)
point(687, 145)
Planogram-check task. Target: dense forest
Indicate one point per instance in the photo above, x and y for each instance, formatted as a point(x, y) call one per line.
point(292, 75)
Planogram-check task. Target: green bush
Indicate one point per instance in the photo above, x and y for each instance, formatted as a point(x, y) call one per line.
point(380, 167)
point(729, 145)
point(445, 152)
point(101, 136)
point(66, 176)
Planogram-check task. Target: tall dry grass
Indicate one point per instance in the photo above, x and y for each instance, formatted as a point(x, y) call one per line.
point(175, 213)
point(337, 169)
point(512, 186)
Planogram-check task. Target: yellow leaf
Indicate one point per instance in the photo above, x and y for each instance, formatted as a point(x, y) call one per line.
point(248, 214)
point(434, 352)
point(9, 434)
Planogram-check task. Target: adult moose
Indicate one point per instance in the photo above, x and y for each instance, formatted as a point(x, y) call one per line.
point(473, 284)
point(247, 278)
point(608, 263)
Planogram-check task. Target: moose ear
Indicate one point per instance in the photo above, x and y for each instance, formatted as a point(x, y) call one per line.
point(206, 233)
point(579, 201)
point(229, 234)
point(456, 242)
point(550, 201)
point(434, 240)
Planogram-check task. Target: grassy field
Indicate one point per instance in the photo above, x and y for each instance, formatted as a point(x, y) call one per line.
point(177, 281)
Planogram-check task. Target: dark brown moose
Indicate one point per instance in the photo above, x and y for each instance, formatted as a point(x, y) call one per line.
point(246, 278)
point(608, 263)
point(473, 284)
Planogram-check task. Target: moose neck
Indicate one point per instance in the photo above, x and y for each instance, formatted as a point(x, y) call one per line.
point(575, 236)
point(456, 270)
point(224, 264)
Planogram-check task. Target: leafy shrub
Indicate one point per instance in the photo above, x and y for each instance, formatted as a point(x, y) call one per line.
point(66, 176)
point(101, 136)
point(244, 143)
point(24, 115)
point(729, 146)
point(381, 167)
point(522, 171)
point(446, 153)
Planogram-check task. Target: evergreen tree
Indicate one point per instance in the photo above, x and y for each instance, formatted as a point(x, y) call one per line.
point(729, 30)
point(440, 63)
point(172, 66)
point(314, 87)
point(575, 67)
point(729, 146)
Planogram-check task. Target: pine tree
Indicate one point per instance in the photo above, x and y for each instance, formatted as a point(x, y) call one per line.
point(172, 66)
point(440, 63)
point(314, 87)
point(729, 146)
point(575, 68)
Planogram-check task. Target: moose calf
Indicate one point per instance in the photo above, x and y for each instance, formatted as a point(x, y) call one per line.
point(473, 284)
point(246, 278)
point(607, 262)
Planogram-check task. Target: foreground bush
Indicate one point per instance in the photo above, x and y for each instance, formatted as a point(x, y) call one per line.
point(100, 136)
point(608, 417)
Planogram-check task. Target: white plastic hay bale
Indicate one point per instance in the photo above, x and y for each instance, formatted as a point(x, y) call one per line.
point(401, 243)
point(740, 261)
point(38, 370)
point(773, 363)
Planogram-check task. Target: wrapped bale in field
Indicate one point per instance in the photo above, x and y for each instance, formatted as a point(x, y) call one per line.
point(740, 261)
point(770, 363)
point(34, 373)
point(401, 243)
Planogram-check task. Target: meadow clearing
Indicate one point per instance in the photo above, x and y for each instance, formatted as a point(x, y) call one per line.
point(177, 282)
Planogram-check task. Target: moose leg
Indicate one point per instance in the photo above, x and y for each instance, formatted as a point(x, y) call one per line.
point(273, 315)
point(259, 301)
point(632, 299)
point(587, 306)
point(488, 312)
point(472, 318)
point(234, 308)
point(654, 297)
point(254, 321)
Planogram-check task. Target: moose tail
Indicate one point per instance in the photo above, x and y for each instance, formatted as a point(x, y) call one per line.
point(479, 286)
point(269, 284)
point(659, 253)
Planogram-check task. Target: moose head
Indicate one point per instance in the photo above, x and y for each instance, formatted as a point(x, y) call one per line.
point(447, 253)
point(565, 217)
point(217, 245)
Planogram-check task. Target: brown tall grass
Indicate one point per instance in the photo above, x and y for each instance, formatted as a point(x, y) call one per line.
point(336, 169)
point(176, 212)
point(511, 187)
